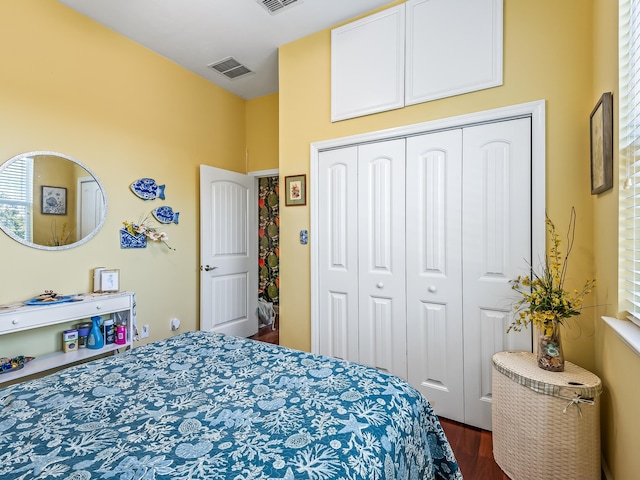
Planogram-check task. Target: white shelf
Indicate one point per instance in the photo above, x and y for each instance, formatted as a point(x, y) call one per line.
point(58, 359)
point(18, 318)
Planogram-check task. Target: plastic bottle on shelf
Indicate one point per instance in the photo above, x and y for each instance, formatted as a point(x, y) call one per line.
point(95, 340)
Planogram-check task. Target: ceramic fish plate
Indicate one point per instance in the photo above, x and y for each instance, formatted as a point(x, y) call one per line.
point(147, 189)
point(165, 214)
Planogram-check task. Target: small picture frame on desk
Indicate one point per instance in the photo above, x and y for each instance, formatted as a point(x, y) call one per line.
point(110, 281)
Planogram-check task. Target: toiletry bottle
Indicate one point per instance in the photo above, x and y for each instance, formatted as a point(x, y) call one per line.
point(95, 339)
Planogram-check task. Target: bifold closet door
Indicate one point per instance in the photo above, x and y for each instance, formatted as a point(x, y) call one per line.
point(496, 247)
point(434, 270)
point(361, 261)
point(382, 323)
point(338, 253)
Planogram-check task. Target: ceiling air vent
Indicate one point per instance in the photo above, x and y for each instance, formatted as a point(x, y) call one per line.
point(277, 6)
point(230, 68)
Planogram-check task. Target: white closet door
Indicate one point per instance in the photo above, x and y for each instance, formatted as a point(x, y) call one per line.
point(434, 270)
point(381, 241)
point(496, 247)
point(338, 255)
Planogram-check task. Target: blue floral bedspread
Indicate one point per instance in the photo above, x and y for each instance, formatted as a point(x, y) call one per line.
point(208, 406)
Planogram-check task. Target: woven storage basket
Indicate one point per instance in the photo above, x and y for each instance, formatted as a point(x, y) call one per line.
point(546, 425)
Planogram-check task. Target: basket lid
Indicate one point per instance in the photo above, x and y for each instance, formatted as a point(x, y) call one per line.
point(574, 382)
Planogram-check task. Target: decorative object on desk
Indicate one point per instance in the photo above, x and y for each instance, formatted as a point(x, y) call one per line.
point(601, 122)
point(49, 297)
point(54, 200)
point(544, 301)
point(295, 190)
point(165, 214)
point(95, 339)
point(147, 189)
point(142, 229)
point(12, 364)
point(110, 280)
point(96, 278)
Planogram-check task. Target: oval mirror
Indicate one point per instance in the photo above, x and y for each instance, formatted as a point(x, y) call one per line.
point(50, 201)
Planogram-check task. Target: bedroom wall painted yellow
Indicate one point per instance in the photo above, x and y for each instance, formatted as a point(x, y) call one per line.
point(71, 85)
point(262, 133)
point(616, 364)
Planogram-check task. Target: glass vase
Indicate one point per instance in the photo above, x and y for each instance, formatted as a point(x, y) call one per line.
point(550, 354)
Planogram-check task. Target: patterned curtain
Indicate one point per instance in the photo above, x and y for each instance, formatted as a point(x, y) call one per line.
point(269, 233)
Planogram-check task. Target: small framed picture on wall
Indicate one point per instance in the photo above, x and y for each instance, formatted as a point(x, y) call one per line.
point(601, 123)
point(296, 190)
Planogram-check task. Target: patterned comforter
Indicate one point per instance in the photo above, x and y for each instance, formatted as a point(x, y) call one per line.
point(208, 406)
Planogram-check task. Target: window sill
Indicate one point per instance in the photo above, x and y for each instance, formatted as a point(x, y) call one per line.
point(628, 332)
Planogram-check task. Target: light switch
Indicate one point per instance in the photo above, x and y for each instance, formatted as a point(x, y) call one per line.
point(304, 237)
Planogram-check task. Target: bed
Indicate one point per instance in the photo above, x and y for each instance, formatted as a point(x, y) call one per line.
point(208, 406)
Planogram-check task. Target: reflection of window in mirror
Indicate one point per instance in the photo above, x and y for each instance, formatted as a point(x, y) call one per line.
point(16, 198)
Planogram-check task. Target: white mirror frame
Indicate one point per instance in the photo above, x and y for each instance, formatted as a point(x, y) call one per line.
point(83, 240)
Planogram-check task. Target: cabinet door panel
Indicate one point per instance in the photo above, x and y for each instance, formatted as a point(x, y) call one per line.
point(367, 65)
point(453, 47)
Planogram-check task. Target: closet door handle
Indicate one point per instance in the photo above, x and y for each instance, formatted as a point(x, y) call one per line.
point(433, 289)
point(380, 285)
point(207, 268)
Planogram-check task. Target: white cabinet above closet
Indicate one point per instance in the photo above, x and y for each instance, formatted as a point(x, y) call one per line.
point(415, 52)
point(367, 65)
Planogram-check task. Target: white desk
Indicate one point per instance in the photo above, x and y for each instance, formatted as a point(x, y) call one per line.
point(17, 318)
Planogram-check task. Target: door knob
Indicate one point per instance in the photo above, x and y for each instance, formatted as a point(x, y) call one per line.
point(433, 289)
point(207, 268)
point(380, 285)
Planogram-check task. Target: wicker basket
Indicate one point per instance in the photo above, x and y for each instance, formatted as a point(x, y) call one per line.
point(546, 425)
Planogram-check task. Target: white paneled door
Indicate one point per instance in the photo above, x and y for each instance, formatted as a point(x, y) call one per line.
point(426, 232)
point(496, 247)
point(381, 257)
point(362, 299)
point(434, 272)
point(228, 252)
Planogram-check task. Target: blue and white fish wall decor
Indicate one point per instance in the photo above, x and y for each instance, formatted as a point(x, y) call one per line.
point(147, 189)
point(165, 214)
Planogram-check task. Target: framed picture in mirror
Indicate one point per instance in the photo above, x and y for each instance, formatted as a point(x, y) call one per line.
point(54, 200)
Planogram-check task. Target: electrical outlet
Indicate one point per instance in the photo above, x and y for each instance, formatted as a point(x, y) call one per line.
point(174, 324)
point(145, 331)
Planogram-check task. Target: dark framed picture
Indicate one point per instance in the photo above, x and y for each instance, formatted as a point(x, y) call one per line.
point(296, 190)
point(54, 200)
point(601, 123)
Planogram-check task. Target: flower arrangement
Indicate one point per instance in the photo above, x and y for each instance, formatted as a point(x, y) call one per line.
point(544, 297)
point(143, 227)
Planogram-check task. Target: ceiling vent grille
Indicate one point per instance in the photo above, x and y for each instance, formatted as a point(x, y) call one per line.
point(230, 68)
point(277, 6)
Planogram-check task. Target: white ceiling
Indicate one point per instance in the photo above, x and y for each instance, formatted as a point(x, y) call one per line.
point(197, 33)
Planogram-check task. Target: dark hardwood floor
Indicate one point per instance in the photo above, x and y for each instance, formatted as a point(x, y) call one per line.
point(472, 447)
